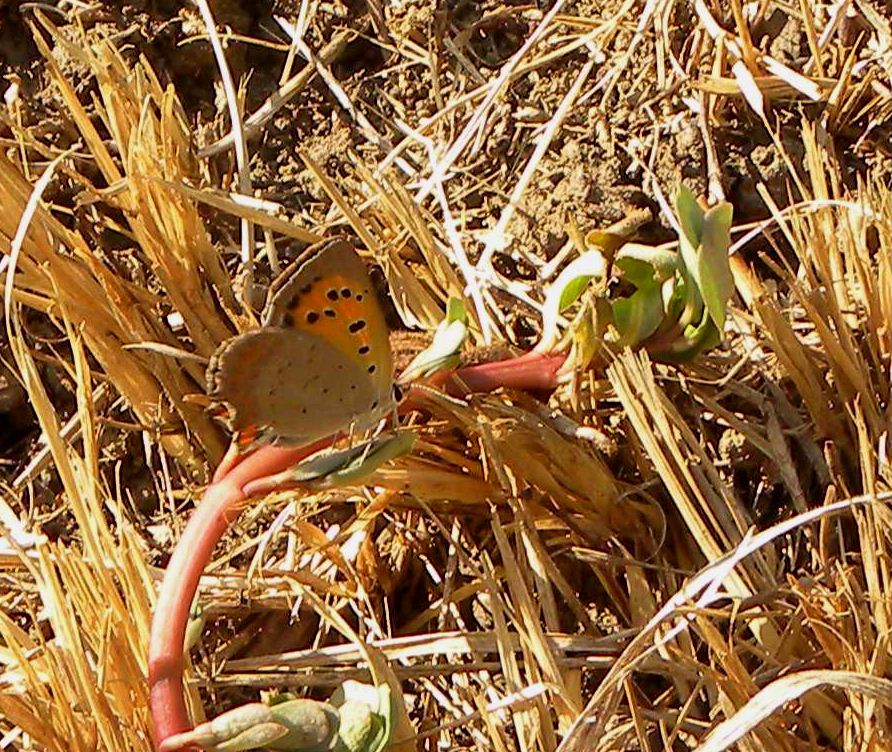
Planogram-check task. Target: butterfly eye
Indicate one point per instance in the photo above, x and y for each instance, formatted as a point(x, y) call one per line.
point(398, 393)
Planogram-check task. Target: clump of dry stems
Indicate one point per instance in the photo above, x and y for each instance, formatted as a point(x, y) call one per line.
point(572, 571)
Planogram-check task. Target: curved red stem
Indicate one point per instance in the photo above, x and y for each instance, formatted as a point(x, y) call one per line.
point(223, 501)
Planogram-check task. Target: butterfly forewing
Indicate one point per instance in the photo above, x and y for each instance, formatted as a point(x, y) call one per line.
point(331, 295)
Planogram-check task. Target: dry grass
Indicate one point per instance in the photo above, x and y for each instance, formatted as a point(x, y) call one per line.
point(578, 577)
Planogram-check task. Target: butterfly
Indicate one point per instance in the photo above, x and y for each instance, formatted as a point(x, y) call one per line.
point(321, 361)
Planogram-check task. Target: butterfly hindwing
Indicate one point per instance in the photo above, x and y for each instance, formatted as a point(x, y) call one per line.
point(293, 386)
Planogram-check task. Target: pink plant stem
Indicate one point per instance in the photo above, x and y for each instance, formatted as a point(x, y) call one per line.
point(532, 371)
point(221, 505)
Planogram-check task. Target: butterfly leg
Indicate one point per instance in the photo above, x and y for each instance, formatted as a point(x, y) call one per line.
point(351, 434)
point(382, 424)
point(395, 416)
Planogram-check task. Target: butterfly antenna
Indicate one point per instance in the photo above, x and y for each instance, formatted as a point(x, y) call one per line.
point(438, 394)
point(395, 415)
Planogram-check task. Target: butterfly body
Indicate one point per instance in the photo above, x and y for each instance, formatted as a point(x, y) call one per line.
point(321, 362)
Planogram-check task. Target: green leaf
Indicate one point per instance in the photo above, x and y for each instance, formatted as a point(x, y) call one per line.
point(310, 725)
point(703, 249)
point(704, 337)
point(444, 351)
point(572, 290)
point(348, 466)
point(713, 268)
point(694, 341)
point(456, 311)
point(639, 273)
point(195, 625)
point(639, 315)
point(690, 215)
point(663, 262)
point(256, 737)
point(366, 713)
point(386, 712)
point(359, 726)
point(568, 286)
point(674, 294)
point(246, 727)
